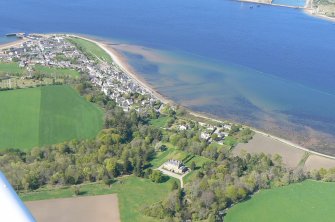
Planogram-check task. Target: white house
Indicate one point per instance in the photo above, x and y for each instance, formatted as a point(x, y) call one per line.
point(175, 166)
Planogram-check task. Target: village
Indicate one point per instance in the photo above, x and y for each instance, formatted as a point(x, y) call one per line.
point(57, 53)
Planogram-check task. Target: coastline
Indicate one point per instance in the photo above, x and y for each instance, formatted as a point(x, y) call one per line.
point(125, 67)
point(12, 44)
point(307, 8)
point(121, 62)
point(309, 12)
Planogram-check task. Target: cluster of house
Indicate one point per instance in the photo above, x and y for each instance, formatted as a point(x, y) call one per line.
point(120, 87)
point(41, 50)
point(210, 133)
point(56, 51)
point(175, 166)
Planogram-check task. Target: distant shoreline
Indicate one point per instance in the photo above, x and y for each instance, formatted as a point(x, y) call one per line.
point(307, 9)
point(310, 12)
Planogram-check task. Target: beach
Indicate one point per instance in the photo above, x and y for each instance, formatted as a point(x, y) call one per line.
point(271, 141)
point(13, 44)
point(124, 66)
point(119, 60)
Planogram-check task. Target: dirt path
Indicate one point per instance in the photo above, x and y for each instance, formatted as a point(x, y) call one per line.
point(84, 209)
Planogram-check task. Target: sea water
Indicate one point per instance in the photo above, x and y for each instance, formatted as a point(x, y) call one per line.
point(270, 67)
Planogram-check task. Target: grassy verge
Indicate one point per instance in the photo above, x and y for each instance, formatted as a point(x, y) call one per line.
point(90, 49)
point(160, 122)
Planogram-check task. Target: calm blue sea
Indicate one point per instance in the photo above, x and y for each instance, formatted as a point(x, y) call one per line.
point(270, 67)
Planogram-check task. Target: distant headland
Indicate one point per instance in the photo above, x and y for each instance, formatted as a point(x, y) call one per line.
point(321, 9)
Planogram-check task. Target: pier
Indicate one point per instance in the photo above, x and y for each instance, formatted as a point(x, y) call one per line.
point(17, 34)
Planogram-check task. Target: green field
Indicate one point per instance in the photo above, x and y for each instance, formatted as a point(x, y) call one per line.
point(308, 201)
point(160, 122)
point(11, 69)
point(47, 115)
point(133, 194)
point(176, 154)
point(51, 71)
point(90, 48)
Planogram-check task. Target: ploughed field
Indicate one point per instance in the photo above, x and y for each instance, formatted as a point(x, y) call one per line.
point(308, 201)
point(134, 194)
point(84, 209)
point(46, 115)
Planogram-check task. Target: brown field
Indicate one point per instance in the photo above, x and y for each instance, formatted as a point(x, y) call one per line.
point(83, 209)
point(263, 144)
point(317, 162)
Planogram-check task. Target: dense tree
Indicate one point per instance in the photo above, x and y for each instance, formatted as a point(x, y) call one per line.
point(156, 176)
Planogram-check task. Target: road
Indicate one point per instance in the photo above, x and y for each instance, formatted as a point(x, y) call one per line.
point(175, 175)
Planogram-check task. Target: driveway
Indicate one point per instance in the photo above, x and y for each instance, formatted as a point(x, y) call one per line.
point(175, 175)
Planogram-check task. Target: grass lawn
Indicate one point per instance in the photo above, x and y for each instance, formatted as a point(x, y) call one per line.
point(170, 153)
point(51, 71)
point(91, 48)
point(133, 194)
point(308, 201)
point(46, 115)
point(230, 141)
point(160, 122)
point(11, 68)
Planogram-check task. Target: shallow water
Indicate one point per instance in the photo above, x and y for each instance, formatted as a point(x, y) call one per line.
point(270, 67)
point(300, 3)
point(4, 39)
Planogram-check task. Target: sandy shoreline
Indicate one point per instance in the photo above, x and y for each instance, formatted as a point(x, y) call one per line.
point(12, 44)
point(122, 63)
point(124, 66)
